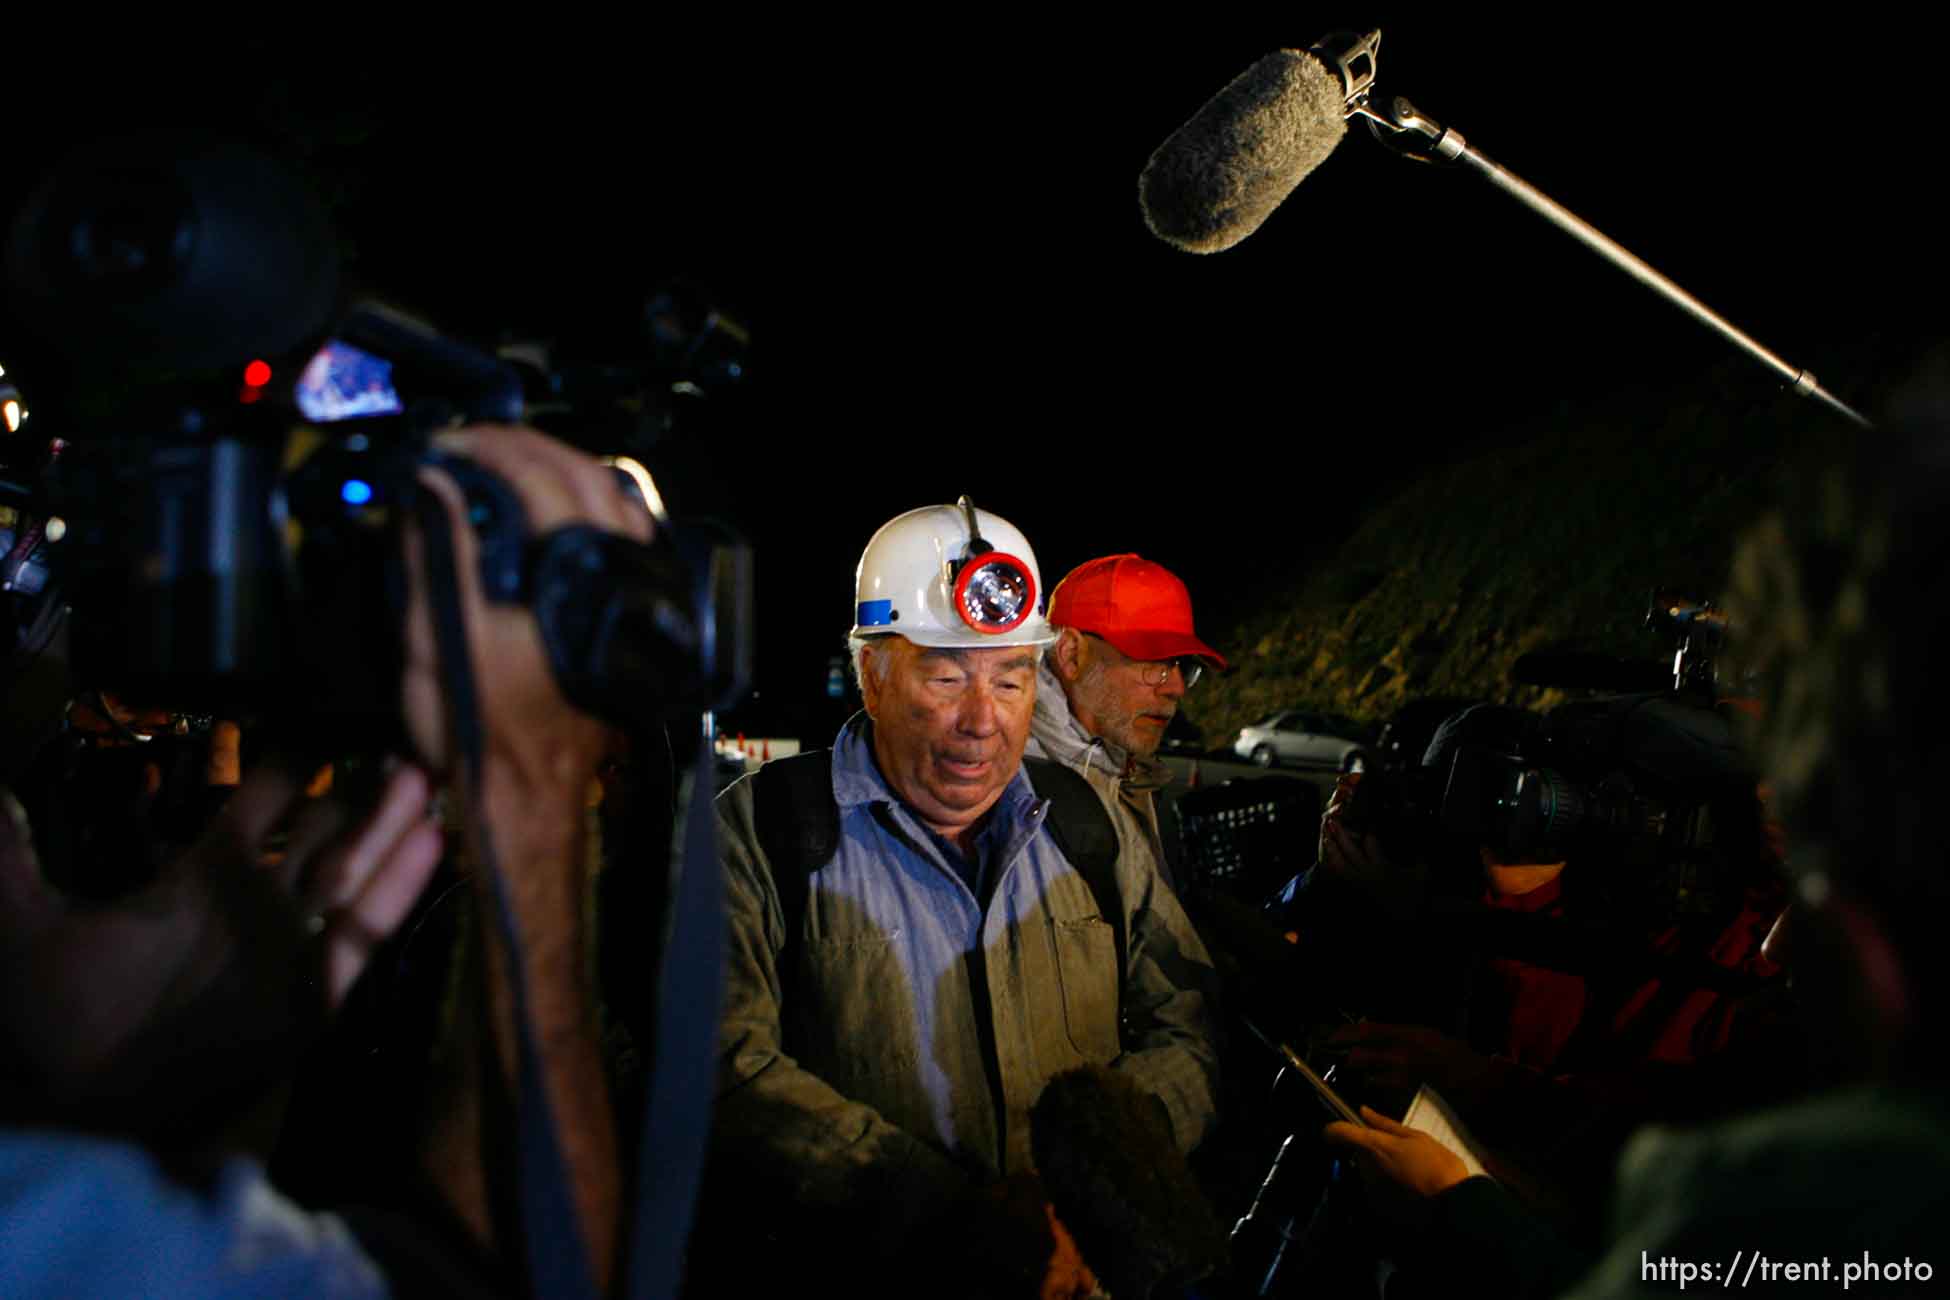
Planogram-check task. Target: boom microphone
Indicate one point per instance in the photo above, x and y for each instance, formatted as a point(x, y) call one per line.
point(1222, 173)
point(1103, 1149)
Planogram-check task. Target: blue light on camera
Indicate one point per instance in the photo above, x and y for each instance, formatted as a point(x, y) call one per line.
point(355, 492)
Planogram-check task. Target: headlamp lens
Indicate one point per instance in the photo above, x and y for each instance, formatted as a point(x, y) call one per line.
point(995, 594)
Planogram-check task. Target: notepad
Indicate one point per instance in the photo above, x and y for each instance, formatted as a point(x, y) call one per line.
point(1428, 1113)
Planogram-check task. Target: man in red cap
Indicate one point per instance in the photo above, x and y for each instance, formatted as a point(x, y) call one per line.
point(1125, 655)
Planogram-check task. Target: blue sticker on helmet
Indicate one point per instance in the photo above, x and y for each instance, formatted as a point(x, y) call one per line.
point(873, 613)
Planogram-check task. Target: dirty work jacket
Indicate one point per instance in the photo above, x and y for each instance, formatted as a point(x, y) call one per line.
point(901, 1057)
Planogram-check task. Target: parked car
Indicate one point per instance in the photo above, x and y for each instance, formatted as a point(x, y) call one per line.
point(1306, 739)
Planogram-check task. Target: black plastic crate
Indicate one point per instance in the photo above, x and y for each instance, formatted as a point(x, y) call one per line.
point(1250, 835)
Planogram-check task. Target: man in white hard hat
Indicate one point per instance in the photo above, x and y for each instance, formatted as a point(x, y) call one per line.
point(913, 952)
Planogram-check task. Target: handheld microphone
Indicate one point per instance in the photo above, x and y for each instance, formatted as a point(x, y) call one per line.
point(1103, 1149)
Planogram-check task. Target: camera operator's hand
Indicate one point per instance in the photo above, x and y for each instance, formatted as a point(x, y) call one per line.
point(138, 1012)
point(1357, 856)
point(1342, 850)
point(541, 740)
point(1401, 1058)
point(1400, 1167)
point(539, 761)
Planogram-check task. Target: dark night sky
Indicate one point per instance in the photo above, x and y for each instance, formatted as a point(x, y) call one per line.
point(935, 239)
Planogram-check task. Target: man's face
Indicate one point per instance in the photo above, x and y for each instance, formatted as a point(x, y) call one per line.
point(1109, 696)
point(949, 725)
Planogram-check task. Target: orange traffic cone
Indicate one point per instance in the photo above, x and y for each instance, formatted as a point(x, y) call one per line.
point(767, 757)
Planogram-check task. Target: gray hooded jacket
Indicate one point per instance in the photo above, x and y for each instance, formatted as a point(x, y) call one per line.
point(1132, 800)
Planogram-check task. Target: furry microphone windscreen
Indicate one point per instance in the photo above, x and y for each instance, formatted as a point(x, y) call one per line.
point(1104, 1151)
point(1222, 173)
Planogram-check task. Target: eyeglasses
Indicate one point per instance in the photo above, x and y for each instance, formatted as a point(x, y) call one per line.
point(1159, 672)
point(1156, 672)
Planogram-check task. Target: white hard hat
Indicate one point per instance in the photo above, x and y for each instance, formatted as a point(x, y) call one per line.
point(950, 576)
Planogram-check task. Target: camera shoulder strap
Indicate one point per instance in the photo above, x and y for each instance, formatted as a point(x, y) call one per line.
point(556, 1253)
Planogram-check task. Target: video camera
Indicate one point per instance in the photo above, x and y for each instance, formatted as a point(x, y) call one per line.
point(1648, 779)
point(224, 451)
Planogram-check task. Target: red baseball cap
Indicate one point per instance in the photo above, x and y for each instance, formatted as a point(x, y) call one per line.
point(1139, 607)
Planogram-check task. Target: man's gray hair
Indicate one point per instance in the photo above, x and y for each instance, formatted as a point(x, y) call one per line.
point(856, 647)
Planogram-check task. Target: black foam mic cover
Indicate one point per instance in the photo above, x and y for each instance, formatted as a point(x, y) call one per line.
point(1104, 1151)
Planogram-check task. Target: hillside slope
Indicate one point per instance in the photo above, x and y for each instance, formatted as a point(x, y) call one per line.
point(1554, 538)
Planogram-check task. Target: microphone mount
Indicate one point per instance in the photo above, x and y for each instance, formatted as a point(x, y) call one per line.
point(1406, 130)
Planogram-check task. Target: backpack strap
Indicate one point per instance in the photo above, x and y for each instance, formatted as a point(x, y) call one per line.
point(1088, 838)
point(798, 827)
